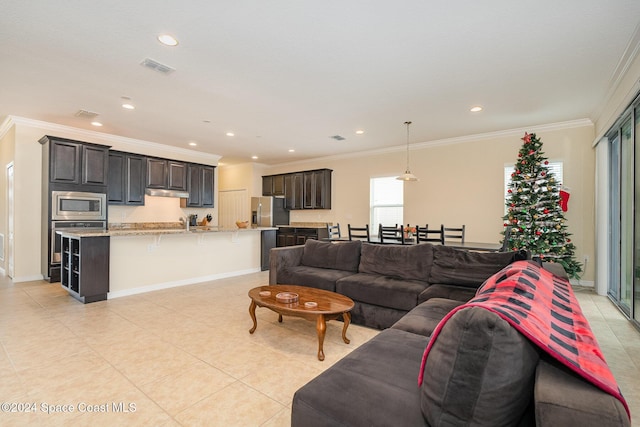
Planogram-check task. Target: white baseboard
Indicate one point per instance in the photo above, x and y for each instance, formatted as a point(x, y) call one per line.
point(583, 283)
point(27, 278)
point(174, 284)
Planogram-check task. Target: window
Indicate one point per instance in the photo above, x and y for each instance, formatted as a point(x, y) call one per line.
point(554, 167)
point(387, 198)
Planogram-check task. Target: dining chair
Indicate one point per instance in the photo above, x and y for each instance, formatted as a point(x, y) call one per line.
point(456, 233)
point(333, 232)
point(433, 235)
point(505, 242)
point(392, 234)
point(359, 233)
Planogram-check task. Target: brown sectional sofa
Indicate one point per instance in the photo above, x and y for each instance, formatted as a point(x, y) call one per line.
point(385, 281)
point(480, 370)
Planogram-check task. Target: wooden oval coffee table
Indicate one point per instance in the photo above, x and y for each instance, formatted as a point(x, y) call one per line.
point(330, 306)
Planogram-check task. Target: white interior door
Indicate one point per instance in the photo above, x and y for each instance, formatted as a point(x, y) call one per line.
point(234, 206)
point(10, 227)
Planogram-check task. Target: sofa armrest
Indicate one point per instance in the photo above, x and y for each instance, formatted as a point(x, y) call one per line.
point(280, 258)
point(562, 398)
point(555, 268)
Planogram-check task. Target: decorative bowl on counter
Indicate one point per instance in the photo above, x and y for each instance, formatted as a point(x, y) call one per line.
point(242, 224)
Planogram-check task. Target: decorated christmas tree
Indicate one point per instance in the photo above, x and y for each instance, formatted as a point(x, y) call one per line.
point(535, 210)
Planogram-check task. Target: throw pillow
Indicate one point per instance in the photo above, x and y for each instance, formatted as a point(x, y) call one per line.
point(338, 256)
point(411, 262)
point(479, 371)
point(453, 266)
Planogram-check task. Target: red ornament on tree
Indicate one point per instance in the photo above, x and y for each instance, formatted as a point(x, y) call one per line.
point(538, 233)
point(542, 173)
point(531, 152)
point(546, 162)
point(546, 211)
point(509, 191)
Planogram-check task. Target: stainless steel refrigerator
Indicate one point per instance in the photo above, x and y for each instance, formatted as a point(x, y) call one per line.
point(268, 212)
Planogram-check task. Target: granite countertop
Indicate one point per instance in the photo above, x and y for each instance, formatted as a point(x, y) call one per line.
point(153, 229)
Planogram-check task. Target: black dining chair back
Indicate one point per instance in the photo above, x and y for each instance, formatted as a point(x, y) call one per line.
point(359, 233)
point(333, 232)
point(453, 233)
point(391, 234)
point(427, 235)
point(505, 242)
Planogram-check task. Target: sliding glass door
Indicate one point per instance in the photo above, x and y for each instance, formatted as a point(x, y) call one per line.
point(624, 228)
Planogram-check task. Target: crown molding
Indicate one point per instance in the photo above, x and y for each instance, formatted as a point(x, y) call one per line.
point(90, 134)
point(627, 59)
point(571, 124)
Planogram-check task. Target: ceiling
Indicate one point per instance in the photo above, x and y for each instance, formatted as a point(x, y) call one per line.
point(289, 74)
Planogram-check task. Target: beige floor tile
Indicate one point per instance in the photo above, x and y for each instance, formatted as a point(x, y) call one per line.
point(236, 405)
point(176, 392)
point(184, 355)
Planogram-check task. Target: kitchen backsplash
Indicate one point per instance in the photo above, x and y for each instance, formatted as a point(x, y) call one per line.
point(156, 209)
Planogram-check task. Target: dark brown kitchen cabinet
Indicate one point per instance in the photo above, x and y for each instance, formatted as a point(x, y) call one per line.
point(308, 189)
point(177, 175)
point(200, 185)
point(166, 174)
point(273, 185)
point(126, 179)
point(156, 173)
point(294, 190)
point(76, 162)
point(267, 185)
point(85, 267)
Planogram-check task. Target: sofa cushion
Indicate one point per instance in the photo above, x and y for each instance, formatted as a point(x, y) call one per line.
point(409, 262)
point(479, 371)
point(343, 256)
point(320, 278)
point(375, 385)
point(562, 398)
point(381, 290)
point(458, 293)
point(453, 266)
point(424, 318)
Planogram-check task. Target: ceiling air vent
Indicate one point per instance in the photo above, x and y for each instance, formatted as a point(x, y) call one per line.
point(338, 137)
point(156, 66)
point(86, 114)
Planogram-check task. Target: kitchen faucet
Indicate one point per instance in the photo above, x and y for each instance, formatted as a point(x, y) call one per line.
point(185, 220)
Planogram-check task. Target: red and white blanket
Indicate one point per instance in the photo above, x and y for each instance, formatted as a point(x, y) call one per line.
point(543, 308)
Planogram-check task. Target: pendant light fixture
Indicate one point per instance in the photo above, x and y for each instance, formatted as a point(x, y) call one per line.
point(407, 175)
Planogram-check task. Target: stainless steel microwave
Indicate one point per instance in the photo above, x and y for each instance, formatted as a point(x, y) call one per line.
point(77, 205)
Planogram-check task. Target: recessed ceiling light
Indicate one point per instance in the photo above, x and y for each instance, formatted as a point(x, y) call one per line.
point(128, 107)
point(476, 109)
point(206, 121)
point(193, 143)
point(97, 124)
point(230, 134)
point(167, 40)
point(359, 132)
point(254, 157)
point(291, 150)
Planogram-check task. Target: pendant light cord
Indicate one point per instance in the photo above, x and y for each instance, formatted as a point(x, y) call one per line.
point(407, 123)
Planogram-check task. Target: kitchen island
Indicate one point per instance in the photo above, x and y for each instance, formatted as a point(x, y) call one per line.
point(148, 259)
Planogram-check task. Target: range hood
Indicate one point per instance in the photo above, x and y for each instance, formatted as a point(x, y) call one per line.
point(166, 193)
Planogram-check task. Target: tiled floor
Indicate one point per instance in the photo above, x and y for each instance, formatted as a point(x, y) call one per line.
point(184, 356)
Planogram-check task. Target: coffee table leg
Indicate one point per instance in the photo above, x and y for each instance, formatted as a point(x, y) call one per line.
point(252, 313)
point(321, 327)
point(279, 318)
point(346, 318)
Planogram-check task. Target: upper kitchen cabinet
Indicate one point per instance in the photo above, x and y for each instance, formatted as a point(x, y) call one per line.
point(273, 185)
point(200, 185)
point(294, 191)
point(166, 174)
point(75, 162)
point(306, 190)
point(126, 178)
